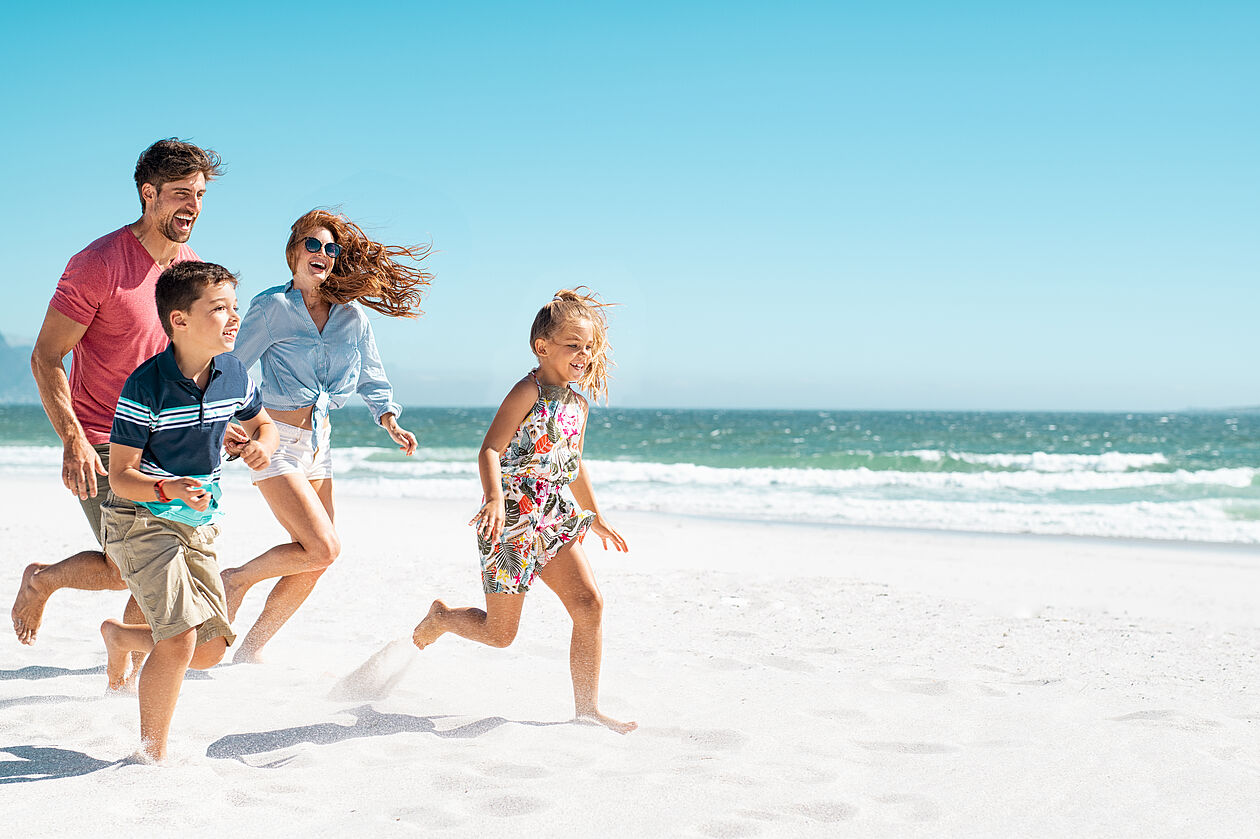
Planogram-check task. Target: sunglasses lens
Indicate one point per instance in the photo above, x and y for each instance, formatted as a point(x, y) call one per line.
point(332, 249)
point(312, 244)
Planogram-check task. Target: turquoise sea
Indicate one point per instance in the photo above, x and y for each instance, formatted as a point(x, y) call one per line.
point(1193, 476)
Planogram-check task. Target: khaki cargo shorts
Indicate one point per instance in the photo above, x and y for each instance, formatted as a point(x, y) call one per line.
point(171, 569)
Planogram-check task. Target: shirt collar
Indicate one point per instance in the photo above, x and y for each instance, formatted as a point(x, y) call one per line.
point(169, 369)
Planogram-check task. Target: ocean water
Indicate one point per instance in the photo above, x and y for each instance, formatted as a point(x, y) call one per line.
point(1161, 476)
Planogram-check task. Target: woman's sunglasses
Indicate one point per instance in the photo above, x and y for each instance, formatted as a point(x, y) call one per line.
point(314, 245)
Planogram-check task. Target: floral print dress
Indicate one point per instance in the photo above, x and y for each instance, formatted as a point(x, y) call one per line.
point(540, 461)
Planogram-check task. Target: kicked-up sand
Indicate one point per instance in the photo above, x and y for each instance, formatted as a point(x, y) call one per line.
point(787, 680)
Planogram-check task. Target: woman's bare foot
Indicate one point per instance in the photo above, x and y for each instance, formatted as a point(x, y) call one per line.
point(430, 629)
point(28, 606)
point(234, 589)
point(596, 718)
point(248, 655)
point(117, 656)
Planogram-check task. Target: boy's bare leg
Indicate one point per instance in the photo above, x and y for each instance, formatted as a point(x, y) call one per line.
point(305, 509)
point(86, 571)
point(569, 575)
point(122, 640)
point(160, 681)
point(495, 626)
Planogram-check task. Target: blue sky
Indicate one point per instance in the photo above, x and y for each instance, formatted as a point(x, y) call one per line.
point(811, 205)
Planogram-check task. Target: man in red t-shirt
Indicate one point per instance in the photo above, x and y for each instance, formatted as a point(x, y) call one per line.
point(103, 312)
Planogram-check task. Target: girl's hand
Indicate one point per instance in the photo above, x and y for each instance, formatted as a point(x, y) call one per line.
point(489, 520)
point(234, 440)
point(191, 492)
point(605, 532)
point(405, 439)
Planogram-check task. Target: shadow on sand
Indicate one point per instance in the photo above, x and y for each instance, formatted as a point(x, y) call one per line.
point(40, 763)
point(34, 672)
point(368, 723)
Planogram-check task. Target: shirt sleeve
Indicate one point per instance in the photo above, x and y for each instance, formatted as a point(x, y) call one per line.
point(252, 404)
point(83, 286)
point(254, 335)
point(373, 386)
point(133, 420)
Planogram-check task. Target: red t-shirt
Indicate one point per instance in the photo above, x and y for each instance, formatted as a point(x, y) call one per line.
point(108, 287)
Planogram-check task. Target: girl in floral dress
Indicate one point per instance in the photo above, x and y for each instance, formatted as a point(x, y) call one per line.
point(526, 528)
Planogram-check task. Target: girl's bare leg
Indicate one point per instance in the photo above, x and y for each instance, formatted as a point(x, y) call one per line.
point(569, 575)
point(305, 509)
point(496, 626)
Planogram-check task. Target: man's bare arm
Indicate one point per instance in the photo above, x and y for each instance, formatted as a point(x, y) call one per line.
point(79, 462)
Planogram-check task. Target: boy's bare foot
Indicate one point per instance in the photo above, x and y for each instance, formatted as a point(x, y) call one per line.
point(28, 606)
point(430, 629)
point(117, 656)
point(234, 591)
point(596, 718)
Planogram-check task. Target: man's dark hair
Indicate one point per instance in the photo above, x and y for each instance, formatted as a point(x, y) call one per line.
point(182, 284)
point(173, 160)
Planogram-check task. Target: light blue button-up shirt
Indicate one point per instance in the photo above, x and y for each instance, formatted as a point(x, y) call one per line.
point(302, 366)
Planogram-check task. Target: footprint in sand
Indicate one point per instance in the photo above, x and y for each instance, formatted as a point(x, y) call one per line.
point(826, 811)
point(846, 715)
point(1169, 719)
point(729, 829)
point(720, 739)
point(793, 665)
point(508, 806)
point(509, 770)
point(907, 748)
point(920, 685)
point(913, 808)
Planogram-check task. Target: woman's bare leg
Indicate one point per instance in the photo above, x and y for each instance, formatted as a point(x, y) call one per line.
point(569, 575)
point(305, 509)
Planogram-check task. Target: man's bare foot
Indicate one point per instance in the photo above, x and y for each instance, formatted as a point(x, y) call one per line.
point(28, 606)
point(117, 655)
point(235, 589)
point(596, 718)
point(430, 629)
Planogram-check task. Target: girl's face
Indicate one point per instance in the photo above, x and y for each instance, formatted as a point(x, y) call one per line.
point(313, 268)
point(563, 355)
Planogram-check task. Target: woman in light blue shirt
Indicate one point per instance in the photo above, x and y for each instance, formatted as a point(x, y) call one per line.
point(315, 343)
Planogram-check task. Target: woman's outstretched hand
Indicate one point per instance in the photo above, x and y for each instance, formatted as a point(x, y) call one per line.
point(606, 533)
point(405, 439)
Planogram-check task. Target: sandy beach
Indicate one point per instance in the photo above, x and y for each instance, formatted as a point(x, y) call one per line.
point(789, 680)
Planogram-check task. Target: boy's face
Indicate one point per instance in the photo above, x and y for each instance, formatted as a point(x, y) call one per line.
point(210, 324)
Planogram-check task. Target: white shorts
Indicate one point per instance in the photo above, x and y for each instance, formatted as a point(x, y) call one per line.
point(298, 455)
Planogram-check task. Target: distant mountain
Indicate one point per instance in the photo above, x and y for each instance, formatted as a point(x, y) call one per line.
point(17, 385)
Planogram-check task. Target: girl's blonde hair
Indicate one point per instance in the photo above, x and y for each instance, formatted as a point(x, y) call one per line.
point(568, 305)
point(366, 271)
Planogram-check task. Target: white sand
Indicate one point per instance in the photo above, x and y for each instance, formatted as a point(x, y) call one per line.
point(789, 681)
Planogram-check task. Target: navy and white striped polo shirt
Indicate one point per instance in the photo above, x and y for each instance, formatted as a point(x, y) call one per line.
point(179, 428)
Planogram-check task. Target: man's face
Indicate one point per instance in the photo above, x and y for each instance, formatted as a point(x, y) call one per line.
point(176, 207)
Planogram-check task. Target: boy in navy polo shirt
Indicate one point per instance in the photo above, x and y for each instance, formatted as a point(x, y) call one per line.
point(158, 521)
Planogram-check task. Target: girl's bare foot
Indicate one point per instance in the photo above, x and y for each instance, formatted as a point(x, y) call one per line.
point(596, 718)
point(28, 606)
point(430, 629)
point(117, 656)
